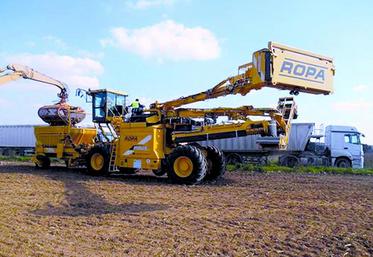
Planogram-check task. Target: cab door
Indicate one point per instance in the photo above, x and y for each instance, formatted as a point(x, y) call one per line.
point(353, 146)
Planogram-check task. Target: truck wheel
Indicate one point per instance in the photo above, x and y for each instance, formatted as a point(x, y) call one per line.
point(216, 163)
point(186, 165)
point(343, 163)
point(289, 161)
point(98, 161)
point(233, 158)
point(43, 162)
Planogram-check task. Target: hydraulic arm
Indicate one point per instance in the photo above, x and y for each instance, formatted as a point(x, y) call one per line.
point(277, 66)
point(57, 114)
point(16, 71)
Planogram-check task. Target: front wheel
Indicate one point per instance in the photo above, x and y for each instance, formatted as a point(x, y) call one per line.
point(187, 165)
point(343, 163)
point(98, 161)
point(42, 162)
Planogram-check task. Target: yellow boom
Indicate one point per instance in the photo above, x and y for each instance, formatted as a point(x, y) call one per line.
point(277, 66)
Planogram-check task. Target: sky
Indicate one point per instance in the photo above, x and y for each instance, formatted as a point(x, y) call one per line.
point(165, 49)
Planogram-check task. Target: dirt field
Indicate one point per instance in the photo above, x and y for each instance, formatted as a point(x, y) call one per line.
point(67, 213)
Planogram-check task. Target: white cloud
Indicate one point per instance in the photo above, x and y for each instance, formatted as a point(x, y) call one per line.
point(353, 105)
point(360, 88)
point(145, 4)
point(166, 40)
point(74, 71)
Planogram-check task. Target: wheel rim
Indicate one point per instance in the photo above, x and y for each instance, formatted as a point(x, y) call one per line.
point(183, 167)
point(97, 161)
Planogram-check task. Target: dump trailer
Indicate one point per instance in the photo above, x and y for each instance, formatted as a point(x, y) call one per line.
point(164, 137)
point(338, 146)
point(61, 138)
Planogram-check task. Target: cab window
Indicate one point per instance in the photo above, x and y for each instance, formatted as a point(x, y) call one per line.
point(352, 139)
point(99, 106)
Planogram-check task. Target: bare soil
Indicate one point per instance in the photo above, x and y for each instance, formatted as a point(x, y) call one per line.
point(60, 212)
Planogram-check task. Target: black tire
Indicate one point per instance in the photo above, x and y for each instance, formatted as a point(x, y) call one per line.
point(67, 163)
point(198, 169)
point(43, 162)
point(310, 157)
point(289, 161)
point(95, 152)
point(233, 158)
point(343, 163)
point(216, 163)
point(162, 170)
point(128, 171)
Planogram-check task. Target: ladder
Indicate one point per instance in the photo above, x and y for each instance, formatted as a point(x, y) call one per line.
point(112, 138)
point(113, 156)
point(288, 108)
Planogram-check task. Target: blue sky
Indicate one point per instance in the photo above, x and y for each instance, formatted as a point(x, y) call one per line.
point(164, 49)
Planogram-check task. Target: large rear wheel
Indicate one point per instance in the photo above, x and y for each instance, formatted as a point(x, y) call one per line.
point(187, 165)
point(216, 163)
point(98, 161)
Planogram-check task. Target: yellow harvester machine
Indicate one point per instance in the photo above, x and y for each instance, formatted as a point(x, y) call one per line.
point(163, 138)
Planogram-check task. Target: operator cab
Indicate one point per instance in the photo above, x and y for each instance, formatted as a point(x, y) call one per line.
point(107, 104)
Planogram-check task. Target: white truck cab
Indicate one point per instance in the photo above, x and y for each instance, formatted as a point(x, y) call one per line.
point(345, 146)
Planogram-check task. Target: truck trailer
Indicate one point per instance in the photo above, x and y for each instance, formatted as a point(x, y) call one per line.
point(17, 139)
point(338, 146)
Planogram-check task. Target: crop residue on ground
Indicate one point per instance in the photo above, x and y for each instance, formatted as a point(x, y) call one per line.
point(65, 212)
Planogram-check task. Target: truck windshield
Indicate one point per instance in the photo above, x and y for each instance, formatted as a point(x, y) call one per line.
point(352, 139)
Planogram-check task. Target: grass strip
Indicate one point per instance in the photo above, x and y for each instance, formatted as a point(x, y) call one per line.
point(298, 169)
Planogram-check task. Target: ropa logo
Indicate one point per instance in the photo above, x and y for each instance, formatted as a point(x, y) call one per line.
point(306, 71)
point(130, 138)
